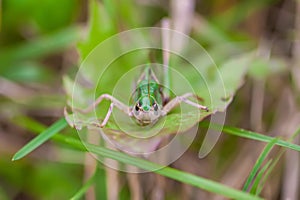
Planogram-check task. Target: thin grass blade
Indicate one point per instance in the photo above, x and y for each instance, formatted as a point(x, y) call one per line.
point(250, 135)
point(40, 139)
point(259, 177)
point(84, 188)
point(172, 173)
point(261, 184)
point(100, 182)
point(259, 163)
point(41, 46)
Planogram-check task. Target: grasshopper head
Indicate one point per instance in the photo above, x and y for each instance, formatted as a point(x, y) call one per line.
point(146, 110)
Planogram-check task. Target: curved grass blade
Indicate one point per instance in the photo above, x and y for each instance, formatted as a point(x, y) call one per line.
point(36, 127)
point(40, 139)
point(259, 163)
point(251, 135)
point(84, 188)
point(261, 184)
point(263, 180)
point(172, 173)
point(259, 177)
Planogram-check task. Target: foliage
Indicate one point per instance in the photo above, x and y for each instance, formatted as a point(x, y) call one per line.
point(37, 49)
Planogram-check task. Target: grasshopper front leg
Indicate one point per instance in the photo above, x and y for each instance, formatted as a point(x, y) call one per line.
point(114, 102)
point(184, 98)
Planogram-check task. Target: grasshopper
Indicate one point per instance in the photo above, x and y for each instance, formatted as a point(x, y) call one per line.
point(150, 103)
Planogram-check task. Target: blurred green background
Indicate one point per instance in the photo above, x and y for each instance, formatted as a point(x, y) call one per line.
point(38, 42)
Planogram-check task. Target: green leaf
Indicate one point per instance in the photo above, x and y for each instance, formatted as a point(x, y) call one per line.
point(259, 163)
point(101, 27)
point(40, 139)
point(109, 67)
point(217, 96)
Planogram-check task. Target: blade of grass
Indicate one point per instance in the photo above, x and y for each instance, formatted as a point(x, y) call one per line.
point(36, 127)
point(263, 180)
point(100, 182)
point(259, 163)
point(172, 173)
point(261, 184)
point(259, 177)
point(40, 139)
point(84, 188)
point(41, 46)
point(250, 135)
point(29, 124)
point(276, 160)
point(168, 172)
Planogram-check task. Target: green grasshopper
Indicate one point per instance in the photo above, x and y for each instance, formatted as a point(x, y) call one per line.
point(150, 102)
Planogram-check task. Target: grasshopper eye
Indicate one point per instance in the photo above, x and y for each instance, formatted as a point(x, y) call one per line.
point(137, 108)
point(155, 107)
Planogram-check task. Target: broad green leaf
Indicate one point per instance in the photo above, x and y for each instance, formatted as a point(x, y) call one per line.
point(110, 66)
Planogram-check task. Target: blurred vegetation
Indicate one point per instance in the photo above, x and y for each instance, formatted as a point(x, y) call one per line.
point(38, 41)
